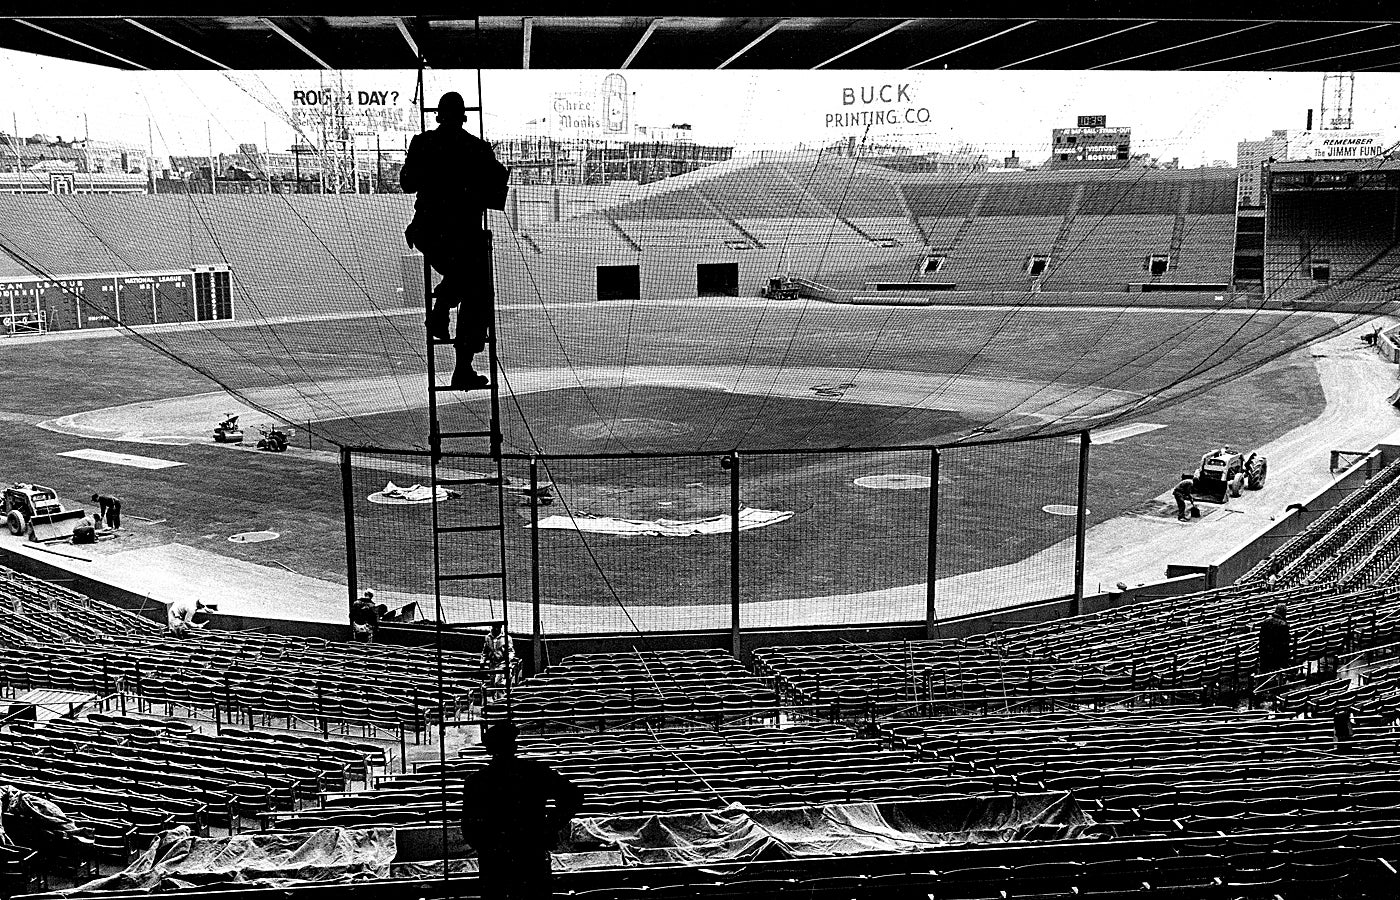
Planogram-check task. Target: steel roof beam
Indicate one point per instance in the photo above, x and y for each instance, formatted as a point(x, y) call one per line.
point(973, 44)
point(71, 40)
point(1080, 44)
point(172, 41)
point(753, 43)
point(865, 42)
point(296, 43)
point(640, 42)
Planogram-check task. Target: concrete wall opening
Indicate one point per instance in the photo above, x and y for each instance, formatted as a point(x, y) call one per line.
point(619, 282)
point(717, 279)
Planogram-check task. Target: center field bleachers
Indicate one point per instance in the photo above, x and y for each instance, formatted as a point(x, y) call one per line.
point(1347, 230)
point(995, 249)
point(1109, 249)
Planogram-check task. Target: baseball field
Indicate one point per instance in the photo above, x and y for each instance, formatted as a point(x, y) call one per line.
point(700, 379)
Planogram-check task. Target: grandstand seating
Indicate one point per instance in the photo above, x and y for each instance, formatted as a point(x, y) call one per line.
point(778, 232)
point(126, 779)
point(676, 771)
point(661, 233)
point(845, 187)
point(1172, 771)
point(602, 690)
point(1362, 523)
point(586, 234)
point(55, 638)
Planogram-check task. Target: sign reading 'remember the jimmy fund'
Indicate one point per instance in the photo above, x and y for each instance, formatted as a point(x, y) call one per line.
point(1341, 144)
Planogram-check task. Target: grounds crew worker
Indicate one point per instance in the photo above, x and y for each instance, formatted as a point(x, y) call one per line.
point(456, 176)
point(1182, 494)
point(109, 508)
point(512, 814)
point(180, 615)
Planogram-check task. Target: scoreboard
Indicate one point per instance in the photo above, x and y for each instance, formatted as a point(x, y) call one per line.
point(106, 300)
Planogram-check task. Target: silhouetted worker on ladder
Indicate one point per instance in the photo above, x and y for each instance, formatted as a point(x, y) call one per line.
point(456, 176)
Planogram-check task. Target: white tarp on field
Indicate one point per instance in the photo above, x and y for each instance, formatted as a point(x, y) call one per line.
point(418, 493)
point(749, 518)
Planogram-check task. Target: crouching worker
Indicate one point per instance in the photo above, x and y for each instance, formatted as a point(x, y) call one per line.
point(1182, 495)
point(181, 615)
point(512, 814)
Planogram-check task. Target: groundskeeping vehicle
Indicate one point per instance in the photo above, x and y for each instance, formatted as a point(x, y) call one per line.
point(1226, 473)
point(35, 510)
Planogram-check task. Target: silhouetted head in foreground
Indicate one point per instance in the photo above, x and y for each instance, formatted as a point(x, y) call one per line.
point(500, 740)
point(451, 109)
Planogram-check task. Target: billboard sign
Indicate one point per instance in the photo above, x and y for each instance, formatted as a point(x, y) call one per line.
point(585, 114)
point(353, 111)
point(1335, 145)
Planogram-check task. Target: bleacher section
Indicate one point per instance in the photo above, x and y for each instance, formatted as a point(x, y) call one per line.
point(1346, 229)
point(1099, 250)
point(995, 250)
point(339, 252)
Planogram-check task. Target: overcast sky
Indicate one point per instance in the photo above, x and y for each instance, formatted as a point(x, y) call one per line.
point(1197, 116)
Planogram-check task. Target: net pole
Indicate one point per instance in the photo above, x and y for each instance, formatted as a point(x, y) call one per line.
point(1080, 521)
point(536, 638)
point(931, 628)
point(733, 459)
point(347, 492)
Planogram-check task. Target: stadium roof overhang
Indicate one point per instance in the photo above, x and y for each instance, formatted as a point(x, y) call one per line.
point(1104, 35)
point(1382, 174)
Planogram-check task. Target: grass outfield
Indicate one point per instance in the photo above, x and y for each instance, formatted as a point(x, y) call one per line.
point(841, 539)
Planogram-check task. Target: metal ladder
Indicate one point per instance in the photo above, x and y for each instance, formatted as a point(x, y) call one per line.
point(459, 528)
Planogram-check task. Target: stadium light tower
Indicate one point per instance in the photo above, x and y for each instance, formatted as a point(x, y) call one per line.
point(1337, 90)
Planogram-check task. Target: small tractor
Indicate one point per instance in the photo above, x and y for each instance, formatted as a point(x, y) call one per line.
point(782, 288)
point(36, 510)
point(1226, 473)
point(228, 432)
point(273, 438)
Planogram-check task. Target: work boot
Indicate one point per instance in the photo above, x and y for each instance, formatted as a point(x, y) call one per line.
point(470, 380)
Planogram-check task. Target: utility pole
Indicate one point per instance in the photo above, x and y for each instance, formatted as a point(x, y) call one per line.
point(213, 172)
point(150, 157)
